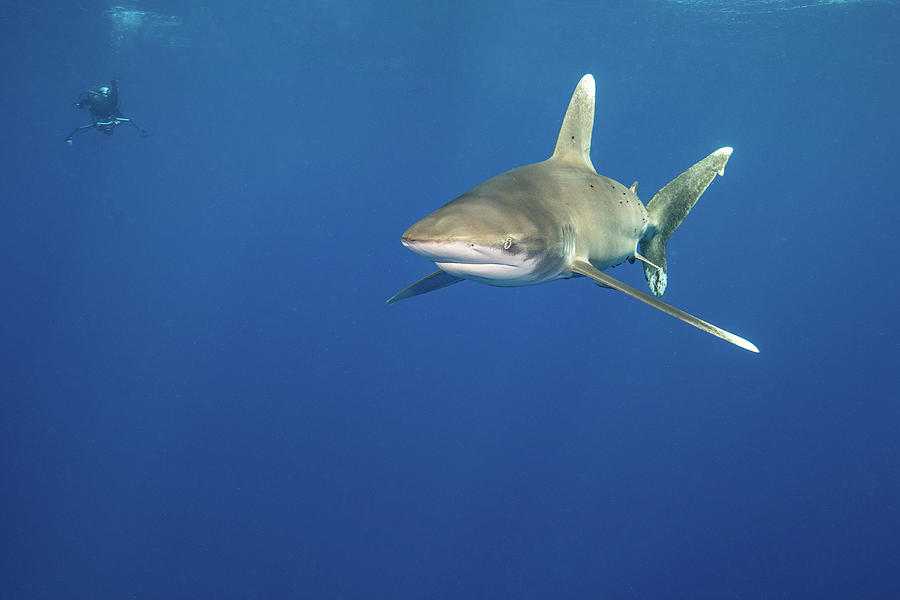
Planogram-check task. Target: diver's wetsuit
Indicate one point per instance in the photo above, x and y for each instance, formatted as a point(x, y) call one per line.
point(104, 107)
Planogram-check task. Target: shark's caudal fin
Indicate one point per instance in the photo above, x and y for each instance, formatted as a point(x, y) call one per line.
point(670, 206)
point(588, 270)
point(435, 281)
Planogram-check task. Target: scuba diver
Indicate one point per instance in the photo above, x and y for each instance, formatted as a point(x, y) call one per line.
point(104, 106)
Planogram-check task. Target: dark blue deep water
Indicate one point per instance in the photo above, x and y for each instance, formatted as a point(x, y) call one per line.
point(203, 395)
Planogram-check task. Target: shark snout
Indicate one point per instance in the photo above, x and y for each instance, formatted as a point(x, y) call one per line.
point(435, 243)
point(469, 240)
point(421, 247)
point(447, 250)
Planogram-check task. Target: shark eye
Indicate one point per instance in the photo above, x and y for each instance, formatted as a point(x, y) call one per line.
point(507, 243)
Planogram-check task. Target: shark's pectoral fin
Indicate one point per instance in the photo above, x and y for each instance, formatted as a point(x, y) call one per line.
point(435, 281)
point(587, 269)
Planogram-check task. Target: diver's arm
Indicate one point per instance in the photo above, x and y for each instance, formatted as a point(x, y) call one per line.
point(84, 100)
point(114, 91)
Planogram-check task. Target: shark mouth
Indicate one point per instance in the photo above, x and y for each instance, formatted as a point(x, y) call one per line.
point(459, 252)
point(480, 271)
point(470, 261)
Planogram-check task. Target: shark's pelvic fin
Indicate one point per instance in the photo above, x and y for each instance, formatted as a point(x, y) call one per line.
point(668, 208)
point(587, 269)
point(573, 146)
point(645, 260)
point(435, 281)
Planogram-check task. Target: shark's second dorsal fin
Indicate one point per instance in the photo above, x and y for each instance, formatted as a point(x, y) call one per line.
point(574, 143)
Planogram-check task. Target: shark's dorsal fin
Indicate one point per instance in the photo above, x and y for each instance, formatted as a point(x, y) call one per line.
point(633, 188)
point(574, 143)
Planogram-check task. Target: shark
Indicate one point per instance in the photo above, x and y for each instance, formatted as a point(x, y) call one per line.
point(560, 219)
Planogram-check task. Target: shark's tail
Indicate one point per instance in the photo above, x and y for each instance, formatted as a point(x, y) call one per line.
point(668, 208)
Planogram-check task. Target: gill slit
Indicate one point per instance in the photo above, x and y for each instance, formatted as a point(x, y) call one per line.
point(568, 235)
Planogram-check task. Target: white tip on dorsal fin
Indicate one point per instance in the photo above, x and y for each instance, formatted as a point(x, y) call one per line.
point(633, 188)
point(574, 143)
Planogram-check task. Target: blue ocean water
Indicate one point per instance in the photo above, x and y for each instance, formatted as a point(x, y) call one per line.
point(203, 394)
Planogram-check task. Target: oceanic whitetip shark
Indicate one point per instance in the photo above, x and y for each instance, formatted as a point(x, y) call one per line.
point(558, 219)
